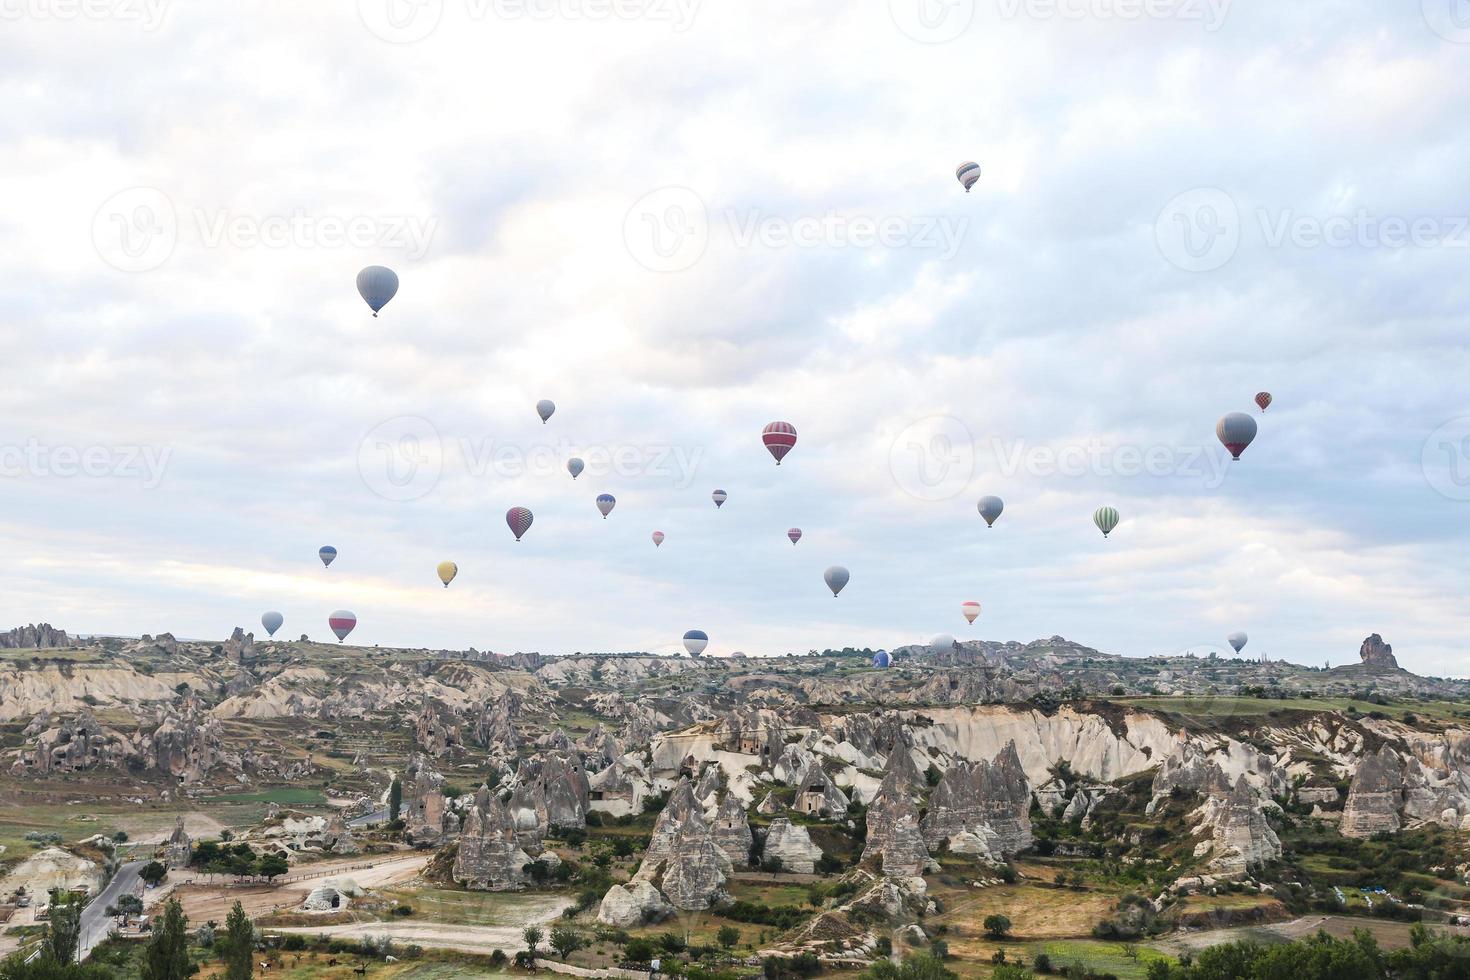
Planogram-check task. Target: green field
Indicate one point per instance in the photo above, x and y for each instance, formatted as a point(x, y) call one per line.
point(284, 795)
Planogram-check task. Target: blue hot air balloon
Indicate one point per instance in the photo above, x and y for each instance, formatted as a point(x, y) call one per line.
point(695, 641)
point(327, 554)
point(605, 503)
point(882, 660)
point(272, 621)
point(377, 285)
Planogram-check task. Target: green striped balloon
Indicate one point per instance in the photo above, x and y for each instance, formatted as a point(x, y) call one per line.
point(1106, 518)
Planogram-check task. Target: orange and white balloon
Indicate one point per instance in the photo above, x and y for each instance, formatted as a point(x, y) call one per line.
point(971, 610)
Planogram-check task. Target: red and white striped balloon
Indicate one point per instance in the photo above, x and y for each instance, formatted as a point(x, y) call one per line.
point(779, 437)
point(794, 534)
point(971, 610)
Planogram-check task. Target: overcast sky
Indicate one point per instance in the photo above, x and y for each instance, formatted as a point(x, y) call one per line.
point(683, 219)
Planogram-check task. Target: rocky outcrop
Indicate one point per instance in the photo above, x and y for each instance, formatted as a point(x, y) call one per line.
point(186, 743)
point(423, 810)
point(818, 796)
point(548, 791)
point(434, 730)
point(490, 857)
point(894, 839)
point(618, 790)
point(238, 647)
point(792, 845)
point(902, 853)
point(1375, 653)
point(35, 637)
point(496, 725)
point(732, 832)
point(683, 858)
point(178, 850)
point(1375, 797)
point(1241, 839)
point(1189, 770)
point(635, 904)
point(985, 800)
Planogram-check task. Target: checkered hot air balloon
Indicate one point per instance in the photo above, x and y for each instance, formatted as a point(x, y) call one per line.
point(968, 173)
point(519, 520)
point(1263, 400)
point(342, 622)
point(779, 437)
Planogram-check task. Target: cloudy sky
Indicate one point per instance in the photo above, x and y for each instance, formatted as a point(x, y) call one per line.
point(683, 219)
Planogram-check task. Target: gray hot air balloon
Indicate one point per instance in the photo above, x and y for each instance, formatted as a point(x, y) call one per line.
point(377, 285)
point(1106, 518)
point(272, 621)
point(575, 466)
point(942, 644)
point(836, 577)
point(605, 503)
point(545, 408)
point(1236, 431)
point(990, 508)
point(1237, 640)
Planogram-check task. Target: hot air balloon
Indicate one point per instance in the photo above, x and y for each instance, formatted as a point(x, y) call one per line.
point(794, 534)
point(658, 538)
point(942, 644)
point(990, 508)
point(695, 641)
point(779, 437)
point(544, 408)
point(327, 554)
point(519, 519)
point(1237, 640)
point(836, 577)
point(719, 497)
point(272, 621)
point(968, 173)
point(447, 571)
point(1236, 431)
point(881, 660)
point(575, 466)
point(1106, 518)
point(605, 503)
point(377, 285)
point(971, 610)
point(1263, 400)
point(342, 623)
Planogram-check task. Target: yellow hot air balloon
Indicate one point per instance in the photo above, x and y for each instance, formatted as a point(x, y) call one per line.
point(447, 571)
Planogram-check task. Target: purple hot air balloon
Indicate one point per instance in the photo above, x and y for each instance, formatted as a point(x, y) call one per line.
point(519, 519)
point(794, 534)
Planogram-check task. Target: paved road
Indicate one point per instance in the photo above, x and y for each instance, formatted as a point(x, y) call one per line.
point(96, 924)
point(377, 816)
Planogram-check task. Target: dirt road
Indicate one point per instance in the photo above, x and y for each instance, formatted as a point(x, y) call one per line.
point(204, 900)
point(465, 938)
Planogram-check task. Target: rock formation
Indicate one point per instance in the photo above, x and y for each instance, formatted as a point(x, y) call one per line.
point(549, 790)
point(434, 731)
point(496, 725)
point(732, 832)
point(423, 802)
point(1241, 839)
point(35, 637)
point(984, 800)
point(1375, 796)
point(634, 904)
point(178, 850)
point(792, 845)
point(888, 842)
point(490, 857)
point(238, 647)
point(818, 796)
point(1375, 653)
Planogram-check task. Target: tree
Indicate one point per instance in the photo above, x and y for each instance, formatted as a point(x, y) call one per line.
point(126, 905)
point(65, 932)
point(395, 799)
point(153, 872)
point(167, 954)
point(920, 966)
point(533, 936)
point(271, 866)
point(566, 941)
point(728, 936)
point(996, 925)
point(239, 945)
point(638, 950)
